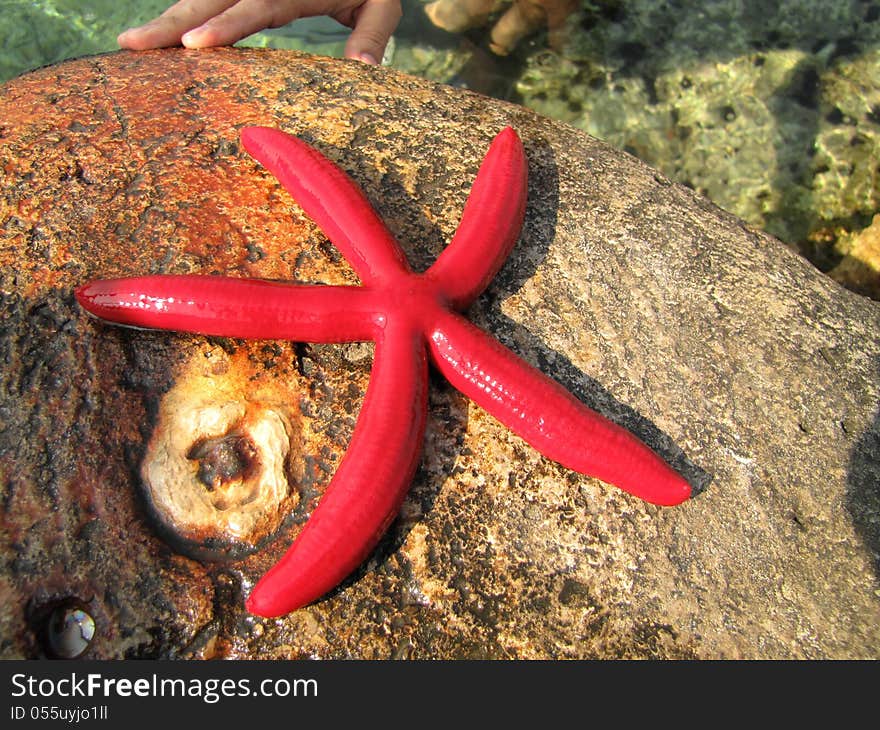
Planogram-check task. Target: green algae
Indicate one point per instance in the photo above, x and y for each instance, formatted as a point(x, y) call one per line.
point(42, 32)
point(847, 177)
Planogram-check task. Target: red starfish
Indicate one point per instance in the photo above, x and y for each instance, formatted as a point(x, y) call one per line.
point(407, 315)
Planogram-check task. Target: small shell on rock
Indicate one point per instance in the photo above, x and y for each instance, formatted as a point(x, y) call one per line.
point(69, 630)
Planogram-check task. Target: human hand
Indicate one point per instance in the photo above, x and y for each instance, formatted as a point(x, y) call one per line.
point(204, 23)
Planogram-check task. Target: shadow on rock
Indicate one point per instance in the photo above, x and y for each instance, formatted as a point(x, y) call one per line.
point(592, 394)
point(863, 489)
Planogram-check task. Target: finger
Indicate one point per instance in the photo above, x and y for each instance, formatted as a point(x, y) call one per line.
point(167, 29)
point(376, 21)
point(240, 20)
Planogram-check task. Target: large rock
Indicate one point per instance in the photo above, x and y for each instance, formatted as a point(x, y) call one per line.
point(746, 368)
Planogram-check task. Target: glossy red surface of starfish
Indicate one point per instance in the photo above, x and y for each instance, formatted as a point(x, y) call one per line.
point(408, 316)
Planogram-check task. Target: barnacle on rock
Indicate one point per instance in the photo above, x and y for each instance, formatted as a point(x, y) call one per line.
point(216, 469)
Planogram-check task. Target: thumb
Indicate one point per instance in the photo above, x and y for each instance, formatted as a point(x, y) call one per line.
point(376, 21)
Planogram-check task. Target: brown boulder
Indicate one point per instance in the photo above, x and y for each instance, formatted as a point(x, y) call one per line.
point(730, 355)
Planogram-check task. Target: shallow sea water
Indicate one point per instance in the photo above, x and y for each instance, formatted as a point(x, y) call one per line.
point(771, 110)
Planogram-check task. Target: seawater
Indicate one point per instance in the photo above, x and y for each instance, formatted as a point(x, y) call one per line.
point(772, 110)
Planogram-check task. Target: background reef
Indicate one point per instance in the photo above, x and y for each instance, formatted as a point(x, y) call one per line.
point(773, 112)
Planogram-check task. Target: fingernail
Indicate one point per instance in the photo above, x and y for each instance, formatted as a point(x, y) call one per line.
point(122, 38)
point(191, 36)
point(368, 58)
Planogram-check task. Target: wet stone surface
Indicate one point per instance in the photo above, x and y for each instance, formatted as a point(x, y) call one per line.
point(714, 343)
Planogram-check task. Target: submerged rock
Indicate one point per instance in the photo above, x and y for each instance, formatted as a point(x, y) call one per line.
point(859, 269)
point(772, 111)
point(520, 18)
point(739, 362)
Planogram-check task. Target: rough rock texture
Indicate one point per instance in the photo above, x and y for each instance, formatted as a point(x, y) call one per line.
point(725, 351)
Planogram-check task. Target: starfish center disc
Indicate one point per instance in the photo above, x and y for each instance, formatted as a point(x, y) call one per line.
point(416, 300)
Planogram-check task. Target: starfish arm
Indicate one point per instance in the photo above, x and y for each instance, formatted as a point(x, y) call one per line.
point(547, 416)
point(330, 198)
point(490, 223)
point(230, 307)
point(366, 492)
